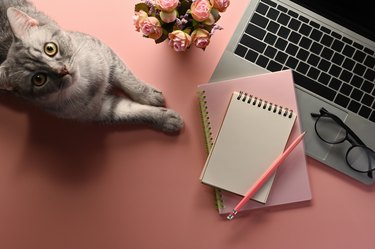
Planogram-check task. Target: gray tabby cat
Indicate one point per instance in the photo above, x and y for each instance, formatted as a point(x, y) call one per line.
point(71, 74)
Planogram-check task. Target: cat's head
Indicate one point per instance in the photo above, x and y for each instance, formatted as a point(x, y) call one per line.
point(39, 60)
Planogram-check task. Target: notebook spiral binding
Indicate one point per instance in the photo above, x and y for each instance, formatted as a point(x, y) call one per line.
point(205, 120)
point(255, 101)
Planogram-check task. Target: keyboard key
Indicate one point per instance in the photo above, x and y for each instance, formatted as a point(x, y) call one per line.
point(305, 29)
point(337, 59)
point(313, 73)
point(305, 42)
point(273, 14)
point(336, 35)
point(359, 56)
point(342, 100)
point(253, 43)
point(292, 13)
point(262, 61)
point(303, 19)
point(270, 39)
point(270, 3)
point(281, 43)
point(347, 40)
point(324, 65)
point(259, 20)
point(367, 86)
point(356, 81)
point(316, 35)
point(240, 50)
point(370, 75)
point(294, 37)
point(324, 78)
point(291, 62)
point(251, 55)
point(325, 30)
point(364, 111)
point(335, 84)
point(255, 31)
point(327, 53)
point(281, 57)
point(302, 68)
point(370, 61)
point(346, 76)
point(283, 19)
point(348, 51)
point(262, 8)
point(337, 45)
point(283, 32)
point(368, 99)
point(348, 64)
point(273, 27)
point(316, 48)
point(356, 94)
point(327, 40)
point(313, 60)
point(346, 89)
point(314, 24)
point(291, 49)
point(335, 70)
point(282, 8)
point(294, 24)
point(270, 52)
point(357, 45)
point(354, 106)
point(359, 69)
point(302, 54)
point(274, 66)
point(314, 87)
point(369, 51)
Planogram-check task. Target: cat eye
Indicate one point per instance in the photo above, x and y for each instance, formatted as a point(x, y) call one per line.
point(50, 49)
point(39, 79)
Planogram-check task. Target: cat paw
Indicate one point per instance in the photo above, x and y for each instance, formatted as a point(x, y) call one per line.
point(172, 121)
point(152, 96)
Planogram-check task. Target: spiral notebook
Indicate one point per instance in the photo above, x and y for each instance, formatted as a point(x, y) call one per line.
point(253, 133)
point(291, 183)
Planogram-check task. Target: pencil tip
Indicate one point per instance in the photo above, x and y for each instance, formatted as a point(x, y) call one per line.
point(231, 215)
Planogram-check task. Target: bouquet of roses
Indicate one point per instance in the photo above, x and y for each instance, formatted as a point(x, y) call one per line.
point(182, 22)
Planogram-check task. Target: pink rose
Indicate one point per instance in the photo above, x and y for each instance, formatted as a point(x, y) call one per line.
point(200, 10)
point(138, 16)
point(200, 38)
point(150, 27)
point(167, 5)
point(220, 5)
point(168, 17)
point(179, 40)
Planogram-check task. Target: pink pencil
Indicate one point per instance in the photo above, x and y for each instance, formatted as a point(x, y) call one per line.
point(254, 188)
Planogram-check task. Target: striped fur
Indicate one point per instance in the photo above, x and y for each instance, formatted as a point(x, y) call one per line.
point(78, 80)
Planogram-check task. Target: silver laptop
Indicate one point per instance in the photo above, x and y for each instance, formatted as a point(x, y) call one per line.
point(330, 47)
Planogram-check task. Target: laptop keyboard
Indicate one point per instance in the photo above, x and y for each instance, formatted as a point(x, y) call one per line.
point(323, 61)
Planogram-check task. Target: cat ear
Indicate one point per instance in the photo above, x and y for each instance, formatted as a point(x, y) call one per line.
point(20, 22)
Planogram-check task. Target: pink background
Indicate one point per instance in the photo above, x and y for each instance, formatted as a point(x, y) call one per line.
point(77, 186)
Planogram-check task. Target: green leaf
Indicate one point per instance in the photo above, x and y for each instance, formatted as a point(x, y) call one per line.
point(141, 6)
point(216, 14)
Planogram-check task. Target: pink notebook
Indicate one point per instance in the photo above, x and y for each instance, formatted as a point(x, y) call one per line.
point(291, 183)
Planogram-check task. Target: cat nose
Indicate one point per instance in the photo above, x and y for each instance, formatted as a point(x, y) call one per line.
point(63, 71)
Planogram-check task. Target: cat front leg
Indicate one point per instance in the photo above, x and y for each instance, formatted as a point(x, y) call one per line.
point(137, 90)
point(118, 109)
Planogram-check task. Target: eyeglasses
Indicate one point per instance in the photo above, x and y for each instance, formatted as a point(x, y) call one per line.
point(332, 130)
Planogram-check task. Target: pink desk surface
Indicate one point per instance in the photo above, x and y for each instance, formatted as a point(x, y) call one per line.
point(65, 185)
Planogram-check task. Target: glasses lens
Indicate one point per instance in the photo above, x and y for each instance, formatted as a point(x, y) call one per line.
point(361, 158)
point(329, 130)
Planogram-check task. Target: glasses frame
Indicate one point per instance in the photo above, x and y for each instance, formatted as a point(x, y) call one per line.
point(350, 136)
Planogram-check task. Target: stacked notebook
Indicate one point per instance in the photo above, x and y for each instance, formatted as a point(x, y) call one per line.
point(248, 122)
